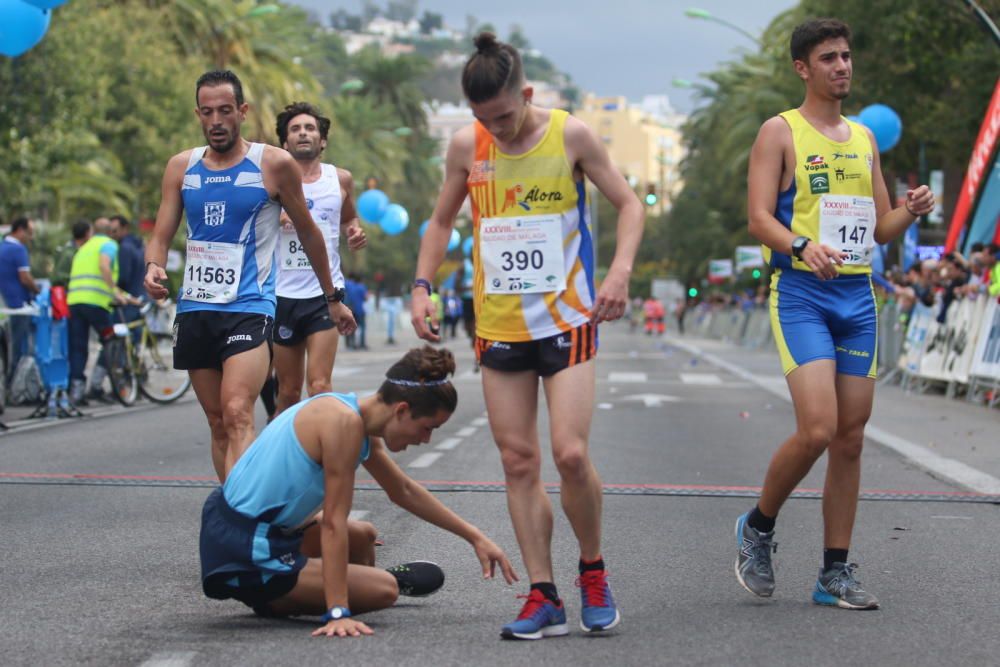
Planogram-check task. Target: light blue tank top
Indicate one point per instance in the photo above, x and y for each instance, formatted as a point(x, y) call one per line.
point(275, 481)
point(233, 206)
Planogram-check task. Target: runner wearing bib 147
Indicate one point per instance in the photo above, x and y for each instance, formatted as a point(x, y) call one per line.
point(819, 204)
point(536, 308)
point(232, 193)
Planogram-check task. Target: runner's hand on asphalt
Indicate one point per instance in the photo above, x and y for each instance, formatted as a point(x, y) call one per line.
point(490, 555)
point(343, 627)
point(154, 282)
point(356, 237)
point(611, 298)
point(343, 318)
point(920, 201)
point(823, 260)
point(423, 315)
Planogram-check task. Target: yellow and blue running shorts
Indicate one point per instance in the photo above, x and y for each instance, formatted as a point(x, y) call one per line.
point(825, 319)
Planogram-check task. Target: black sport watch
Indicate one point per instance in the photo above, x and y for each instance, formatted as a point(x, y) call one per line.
point(798, 245)
point(336, 296)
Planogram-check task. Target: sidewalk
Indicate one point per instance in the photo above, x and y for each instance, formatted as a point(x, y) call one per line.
point(949, 438)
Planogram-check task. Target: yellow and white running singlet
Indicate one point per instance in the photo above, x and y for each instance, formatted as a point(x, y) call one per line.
point(533, 253)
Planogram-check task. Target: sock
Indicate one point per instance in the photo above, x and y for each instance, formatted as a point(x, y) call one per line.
point(760, 521)
point(548, 589)
point(596, 564)
point(831, 556)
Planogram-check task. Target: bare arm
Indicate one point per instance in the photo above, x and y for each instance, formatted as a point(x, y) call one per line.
point(891, 222)
point(767, 158)
point(26, 279)
point(593, 159)
point(434, 245)
point(168, 219)
point(420, 502)
point(350, 226)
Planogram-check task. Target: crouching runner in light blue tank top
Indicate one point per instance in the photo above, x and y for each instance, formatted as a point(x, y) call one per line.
point(275, 535)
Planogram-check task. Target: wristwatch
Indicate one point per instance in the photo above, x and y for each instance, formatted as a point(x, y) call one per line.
point(336, 613)
point(798, 245)
point(336, 296)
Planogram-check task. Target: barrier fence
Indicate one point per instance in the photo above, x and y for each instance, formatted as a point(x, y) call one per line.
point(960, 355)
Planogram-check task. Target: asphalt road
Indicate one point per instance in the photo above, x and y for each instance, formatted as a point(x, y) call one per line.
point(100, 522)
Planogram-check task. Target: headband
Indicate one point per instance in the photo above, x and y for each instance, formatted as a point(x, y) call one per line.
point(411, 383)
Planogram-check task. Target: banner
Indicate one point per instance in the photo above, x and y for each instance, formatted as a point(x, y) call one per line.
point(749, 257)
point(719, 270)
point(921, 318)
point(987, 358)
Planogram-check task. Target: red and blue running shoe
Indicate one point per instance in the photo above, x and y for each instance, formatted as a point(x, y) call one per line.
point(539, 617)
point(599, 610)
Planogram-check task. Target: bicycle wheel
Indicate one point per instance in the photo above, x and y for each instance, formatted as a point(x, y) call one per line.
point(158, 380)
point(124, 384)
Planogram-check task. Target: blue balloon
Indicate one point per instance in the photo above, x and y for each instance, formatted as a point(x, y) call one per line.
point(467, 246)
point(22, 26)
point(45, 4)
point(394, 220)
point(423, 227)
point(372, 205)
point(884, 123)
point(455, 240)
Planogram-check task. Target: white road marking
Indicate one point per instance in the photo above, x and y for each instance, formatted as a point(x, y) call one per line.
point(449, 443)
point(357, 515)
point(652, 400)
point(343, 371)
point(605, 406)
point(425, 460)
point(170, 659)
point(950, 469)
point(700, 378)
point(466, 432)
point(946, 516)
point(627, 377)
point(480, 421)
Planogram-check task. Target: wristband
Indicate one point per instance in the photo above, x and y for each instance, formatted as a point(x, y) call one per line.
point(420, 282)
point(336, 613)
point(907, 207)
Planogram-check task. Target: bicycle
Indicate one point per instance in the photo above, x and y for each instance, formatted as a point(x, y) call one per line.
point(143, 362)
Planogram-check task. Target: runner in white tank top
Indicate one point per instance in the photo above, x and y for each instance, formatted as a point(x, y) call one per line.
point(305, 337)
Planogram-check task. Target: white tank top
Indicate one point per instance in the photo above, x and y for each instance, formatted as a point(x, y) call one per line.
point(296, 279)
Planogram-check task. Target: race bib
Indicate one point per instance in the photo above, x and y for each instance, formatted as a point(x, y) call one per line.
point(847, 223)
point(292, 254)
point(522, 255)
point(213, 271)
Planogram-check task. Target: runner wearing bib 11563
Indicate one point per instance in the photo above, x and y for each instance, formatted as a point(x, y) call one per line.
point(819, 204)
point(231, 192)
point(537, 309)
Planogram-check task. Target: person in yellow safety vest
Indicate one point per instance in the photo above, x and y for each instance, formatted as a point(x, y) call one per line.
point(991, 255)
point(91, 296)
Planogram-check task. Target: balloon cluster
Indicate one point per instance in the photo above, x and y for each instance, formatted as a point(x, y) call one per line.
point(23, 23)
point(375, 208)
point(884, 123)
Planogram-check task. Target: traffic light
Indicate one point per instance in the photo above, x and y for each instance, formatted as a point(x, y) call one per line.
point(651, 197)
point(756, 274)
point(692, 292)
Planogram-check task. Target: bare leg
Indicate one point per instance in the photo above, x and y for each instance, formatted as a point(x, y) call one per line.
point(361, 537)
point(368, 589)
point(207, 383)
point(321, 352)
point(289, 366)
point(512, 406)
point(843, 472)
point(570, 397)
point(814, 395)
point(243, 376)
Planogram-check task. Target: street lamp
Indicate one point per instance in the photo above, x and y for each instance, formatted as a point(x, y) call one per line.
point(705, 15)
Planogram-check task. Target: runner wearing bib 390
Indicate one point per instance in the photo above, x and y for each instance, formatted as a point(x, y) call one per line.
point(536, 310)
point(231, 193)
point(818, 203)
point(303, 331)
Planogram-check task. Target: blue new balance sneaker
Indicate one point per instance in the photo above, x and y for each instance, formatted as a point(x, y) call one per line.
point(539, 617)
point(599, 611)
point(837, 587)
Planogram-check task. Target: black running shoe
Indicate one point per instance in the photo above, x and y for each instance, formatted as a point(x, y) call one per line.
point(417, 579)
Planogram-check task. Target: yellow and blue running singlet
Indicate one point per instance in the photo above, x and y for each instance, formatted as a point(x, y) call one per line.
point(533, 253)
point(830, 201)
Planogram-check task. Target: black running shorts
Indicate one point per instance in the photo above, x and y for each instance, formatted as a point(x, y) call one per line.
point(546, 356)
point(297, 319)
point(206, 338)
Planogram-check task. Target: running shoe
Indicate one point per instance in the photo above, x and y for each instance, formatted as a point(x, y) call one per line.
point(539, 617)
point(754, 569)
point(837, 587)
point(599, 611)
point(417, 579)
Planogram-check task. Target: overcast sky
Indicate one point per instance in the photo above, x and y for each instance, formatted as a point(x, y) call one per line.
point(613, 47)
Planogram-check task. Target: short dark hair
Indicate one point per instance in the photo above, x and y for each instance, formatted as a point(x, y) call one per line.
point(994, 249)
point(121, 220)
point(19, 223)
point(218, 77)
point(495, 67)
point(80, 229)
point(814, 31)
point(977, 247)
point(420, 379)
point(295, 109)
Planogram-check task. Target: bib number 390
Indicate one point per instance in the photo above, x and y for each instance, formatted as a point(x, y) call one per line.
point(522, 255)
point(213, 271)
